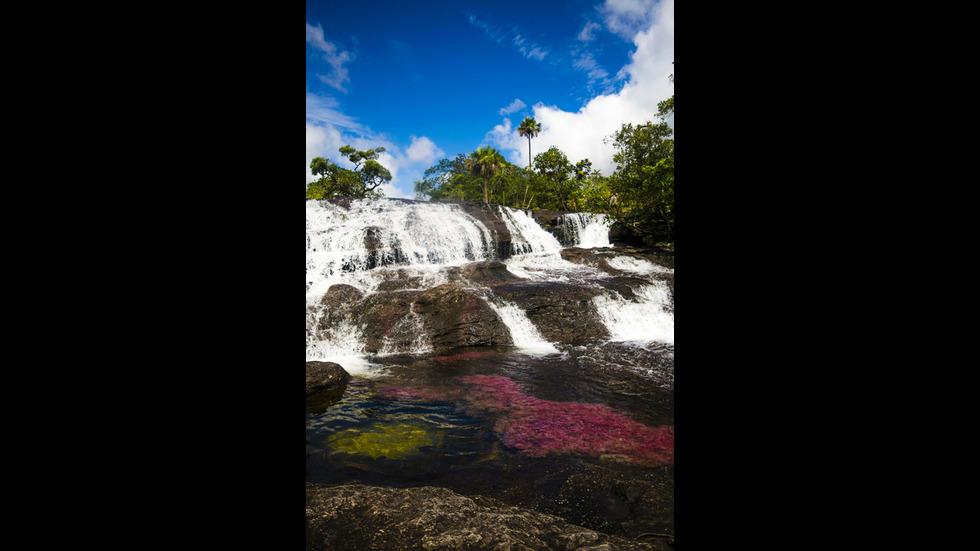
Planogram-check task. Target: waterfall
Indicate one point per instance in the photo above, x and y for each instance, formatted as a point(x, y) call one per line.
point(342, 246)
point(527, 235)
point(380, 246)
point(586, 230)
point(536, 252)
point(524, 334)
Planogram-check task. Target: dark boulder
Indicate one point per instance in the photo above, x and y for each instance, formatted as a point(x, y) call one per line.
point(325, 377)
point(357, 517)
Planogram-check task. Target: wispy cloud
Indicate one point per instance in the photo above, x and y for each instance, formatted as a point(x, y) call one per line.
point(514, 106)
point(586, 34)
point(333, 55)
point(530, 50)
point(324, 110)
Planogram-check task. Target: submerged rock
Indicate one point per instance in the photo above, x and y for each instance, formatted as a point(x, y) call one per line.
point(357, 517)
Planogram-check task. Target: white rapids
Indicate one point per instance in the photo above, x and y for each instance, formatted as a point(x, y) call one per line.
point(376, 238)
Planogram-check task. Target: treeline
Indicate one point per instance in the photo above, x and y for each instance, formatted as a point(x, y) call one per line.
point(639, 193)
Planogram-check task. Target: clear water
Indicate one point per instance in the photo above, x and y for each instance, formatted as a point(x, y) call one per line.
point(403, 428)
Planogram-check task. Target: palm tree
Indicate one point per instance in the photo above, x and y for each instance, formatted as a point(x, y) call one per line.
point(530, 128)
point(485, 162)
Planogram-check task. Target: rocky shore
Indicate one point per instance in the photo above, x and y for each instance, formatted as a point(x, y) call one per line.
point(356, 517)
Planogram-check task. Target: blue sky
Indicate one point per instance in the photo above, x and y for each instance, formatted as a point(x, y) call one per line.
point(431, 79)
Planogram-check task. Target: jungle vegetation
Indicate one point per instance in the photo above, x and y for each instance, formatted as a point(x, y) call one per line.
point(639, 193)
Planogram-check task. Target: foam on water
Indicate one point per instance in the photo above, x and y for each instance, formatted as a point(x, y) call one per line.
point(636, 265)
point(646, 319)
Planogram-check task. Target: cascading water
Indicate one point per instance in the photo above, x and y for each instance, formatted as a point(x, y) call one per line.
point(375, 244)
point(586, 230)
point(344, 245)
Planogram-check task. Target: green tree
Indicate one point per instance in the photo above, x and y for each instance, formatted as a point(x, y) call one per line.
point(644, 178)
point(556, 170)
point(438, 178)
point(484, 163)
point(335, 181)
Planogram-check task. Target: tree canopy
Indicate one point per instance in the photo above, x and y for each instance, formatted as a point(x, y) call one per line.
point(335, 181)
point(639, 193)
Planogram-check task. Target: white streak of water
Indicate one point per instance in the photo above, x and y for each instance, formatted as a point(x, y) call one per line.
point(524, 334)
point(645, 319)
point(588, 230)
point(636, 265)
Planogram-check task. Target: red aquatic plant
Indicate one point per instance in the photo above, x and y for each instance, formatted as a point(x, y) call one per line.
point(413, 393)
point(539, 427)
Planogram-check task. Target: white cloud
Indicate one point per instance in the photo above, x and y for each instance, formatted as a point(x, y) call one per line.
point(580, 134)
point(515, 105)
point(423, 150)
point(323, 109)
point(627, 17)
point(332, 54)
point(586, 34)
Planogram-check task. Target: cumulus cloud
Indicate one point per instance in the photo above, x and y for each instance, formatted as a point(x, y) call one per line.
point(627, 17)
point(515, 105)
point(409, 166)
point(650, 26)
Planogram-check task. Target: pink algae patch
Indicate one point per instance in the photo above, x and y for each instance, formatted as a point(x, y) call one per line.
point(412, 393)
point(539, 427)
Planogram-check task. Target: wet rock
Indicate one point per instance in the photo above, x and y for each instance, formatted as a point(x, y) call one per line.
point(325, 377)
point(600, 257)
point(454, 317)
point(562, 312)
point(388, 321)
point(618, 500)
point(488, 273)
point(341, 295)
point(358, 517)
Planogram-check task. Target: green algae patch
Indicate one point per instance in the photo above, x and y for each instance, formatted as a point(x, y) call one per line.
point(392, 441)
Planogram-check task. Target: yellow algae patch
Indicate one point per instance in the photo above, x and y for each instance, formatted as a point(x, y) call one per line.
point(393, 441)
